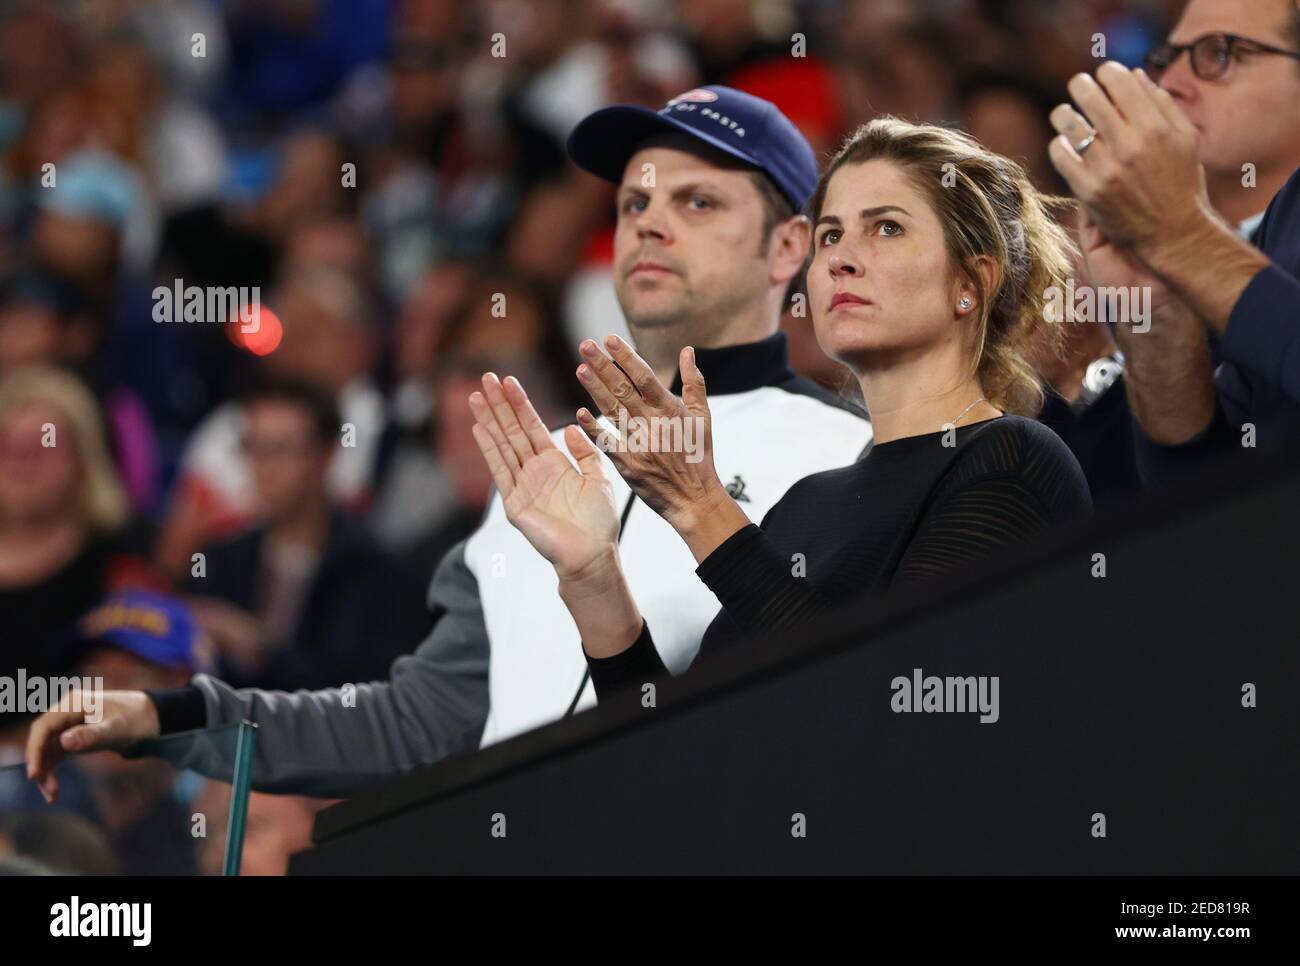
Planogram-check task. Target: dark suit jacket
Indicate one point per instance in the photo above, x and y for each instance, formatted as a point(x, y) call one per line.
point(344, 630)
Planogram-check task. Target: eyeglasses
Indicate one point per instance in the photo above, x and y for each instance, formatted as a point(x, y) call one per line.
point(1211, 55)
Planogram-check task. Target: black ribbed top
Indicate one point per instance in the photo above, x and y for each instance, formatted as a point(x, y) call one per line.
point(911, 510)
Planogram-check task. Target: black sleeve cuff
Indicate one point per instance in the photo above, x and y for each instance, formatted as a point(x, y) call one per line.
point(721, 563)
point(1158, 463)
point(629, 669)
point(179, 709)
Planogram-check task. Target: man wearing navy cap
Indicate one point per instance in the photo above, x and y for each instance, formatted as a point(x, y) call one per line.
point(136, 640)
point(708, 241)
point(137, 634)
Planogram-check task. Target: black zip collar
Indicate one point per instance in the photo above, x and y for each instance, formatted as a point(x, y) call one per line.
point(741, 368)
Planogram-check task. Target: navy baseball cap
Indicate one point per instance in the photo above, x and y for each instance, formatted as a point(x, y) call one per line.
point(739, 124)
point(152, 626)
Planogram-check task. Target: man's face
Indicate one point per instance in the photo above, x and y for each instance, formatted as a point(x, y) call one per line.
point(1252, 113)
point(318, 346)
point(286, 459)
point(688, 244)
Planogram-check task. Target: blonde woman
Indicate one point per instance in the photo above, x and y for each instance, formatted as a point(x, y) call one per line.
point(932, 258)
point(62, 511)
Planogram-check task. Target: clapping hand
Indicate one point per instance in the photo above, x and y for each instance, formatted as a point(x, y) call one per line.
point(666, 454)
point(567, 514)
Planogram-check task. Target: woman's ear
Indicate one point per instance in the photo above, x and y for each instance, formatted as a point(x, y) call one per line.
point(977, 282)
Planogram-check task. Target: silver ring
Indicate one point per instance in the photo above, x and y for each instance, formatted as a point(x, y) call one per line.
point(1085, 144)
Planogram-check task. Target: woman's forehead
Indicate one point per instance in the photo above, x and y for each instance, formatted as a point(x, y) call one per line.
point(870, 184)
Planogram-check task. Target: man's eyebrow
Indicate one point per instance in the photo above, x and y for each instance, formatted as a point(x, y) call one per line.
point(693, 186)
point(865, 214)
point(677, 191)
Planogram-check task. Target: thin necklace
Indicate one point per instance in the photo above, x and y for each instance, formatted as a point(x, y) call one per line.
point(968, 409)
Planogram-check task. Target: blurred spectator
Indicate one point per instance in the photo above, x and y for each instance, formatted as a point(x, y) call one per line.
point(437, 161)
point(94, 227)
point(304, 598)
point(167, 30)
point(545, 241)
point(1008, 114)
point(308, 186)
point(175, 142)
point(906, 66)
point(502, 316)
point(45, 320)
point(432, 488)
point(327, 342)
point(412, 491)
point(726, 35)
point(286, 56)
point(44, 841)
point(278, 826)
point(138, 822)
point(37, 50)
point(449, 443)
point(137, 640)
point(63, 515)
point(420, 334)
point(92, 218)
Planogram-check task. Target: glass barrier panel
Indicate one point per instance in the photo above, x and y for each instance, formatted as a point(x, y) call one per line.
point(174, 805)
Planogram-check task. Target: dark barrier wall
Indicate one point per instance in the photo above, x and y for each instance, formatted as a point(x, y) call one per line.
point(1118, 697)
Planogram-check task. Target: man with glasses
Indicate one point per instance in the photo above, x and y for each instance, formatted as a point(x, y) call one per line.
point(305, 597)
point(1158, 169)
point(1242, 93)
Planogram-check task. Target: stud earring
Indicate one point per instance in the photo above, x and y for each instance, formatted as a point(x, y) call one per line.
point(965, 303)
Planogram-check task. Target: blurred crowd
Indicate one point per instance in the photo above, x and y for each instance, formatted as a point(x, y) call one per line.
point(390, 177)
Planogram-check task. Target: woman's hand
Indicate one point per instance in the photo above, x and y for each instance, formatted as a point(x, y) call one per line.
point(662, 446)
point(568, 515)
